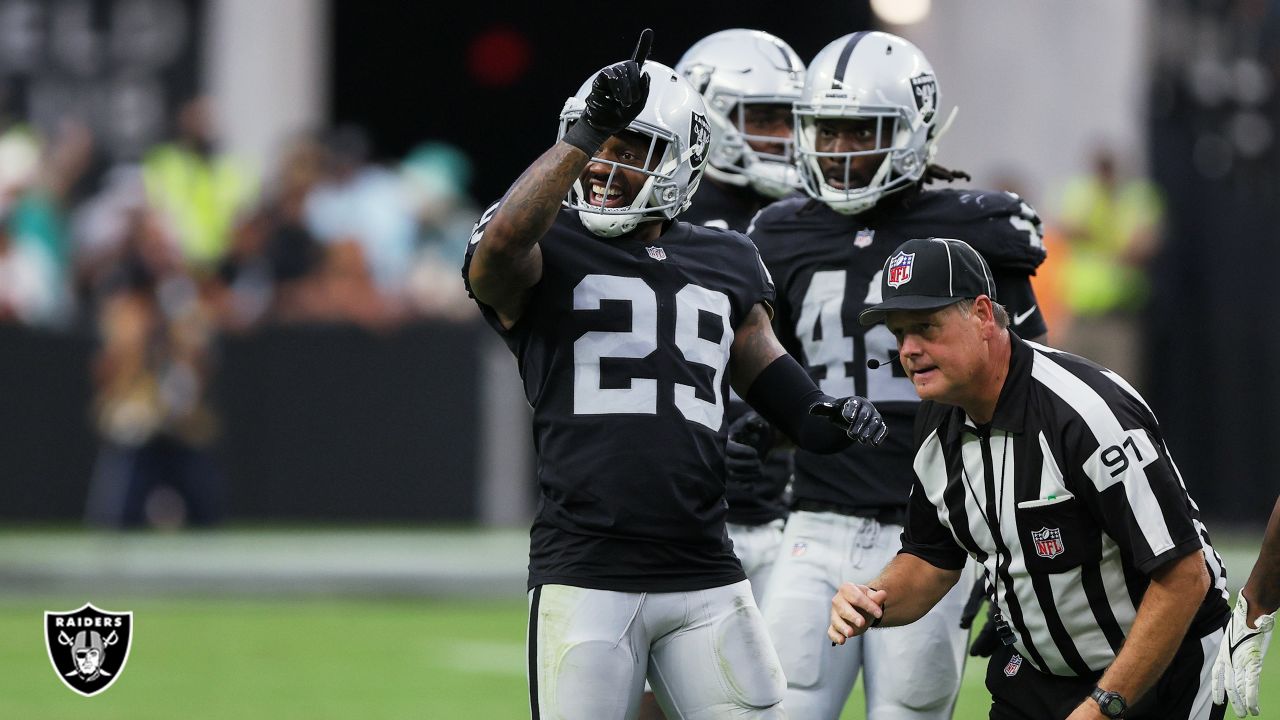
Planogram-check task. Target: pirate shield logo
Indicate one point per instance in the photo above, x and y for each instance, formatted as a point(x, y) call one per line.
point(88, 647)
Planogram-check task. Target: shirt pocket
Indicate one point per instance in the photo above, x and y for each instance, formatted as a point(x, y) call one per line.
point(1057, 535)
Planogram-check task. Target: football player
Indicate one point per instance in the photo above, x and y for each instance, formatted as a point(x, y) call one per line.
point(867, 125)
point(628, 328)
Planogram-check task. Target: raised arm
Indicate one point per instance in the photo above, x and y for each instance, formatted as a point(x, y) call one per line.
point(509, 262)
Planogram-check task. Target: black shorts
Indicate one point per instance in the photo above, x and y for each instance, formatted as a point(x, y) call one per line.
point(1021, 692)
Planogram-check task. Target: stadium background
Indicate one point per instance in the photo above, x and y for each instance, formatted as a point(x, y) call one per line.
point(369, 561)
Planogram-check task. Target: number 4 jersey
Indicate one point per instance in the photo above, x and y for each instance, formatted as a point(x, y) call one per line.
point(624, 352)
point(827, 267)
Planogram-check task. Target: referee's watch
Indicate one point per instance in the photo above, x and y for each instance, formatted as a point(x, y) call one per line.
point(1111, 703)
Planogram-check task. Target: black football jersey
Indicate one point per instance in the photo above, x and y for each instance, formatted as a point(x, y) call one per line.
point(727, 208)
point(624, 351)
point(732, 208)
point(827, 267)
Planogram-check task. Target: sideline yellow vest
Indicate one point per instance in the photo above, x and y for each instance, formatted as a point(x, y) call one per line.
point(201, 196)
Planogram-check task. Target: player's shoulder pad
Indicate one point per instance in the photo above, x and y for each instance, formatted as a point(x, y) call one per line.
point(713, 234)
point(1000, 225)
point(477, 230)
point(778, 214)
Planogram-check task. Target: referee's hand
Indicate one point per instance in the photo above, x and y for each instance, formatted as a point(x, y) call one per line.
point(854, 610)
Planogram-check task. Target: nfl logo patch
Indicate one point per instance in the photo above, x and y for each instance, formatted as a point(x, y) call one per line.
point(1011, 668)
point(900, 268)
point(863, 238)
point(1048, 542)
point(656, 253)
point(798, 549)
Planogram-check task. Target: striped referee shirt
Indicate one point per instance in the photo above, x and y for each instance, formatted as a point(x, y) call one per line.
point(1070, 501)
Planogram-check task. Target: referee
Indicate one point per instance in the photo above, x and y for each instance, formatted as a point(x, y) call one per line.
point(1052, 473)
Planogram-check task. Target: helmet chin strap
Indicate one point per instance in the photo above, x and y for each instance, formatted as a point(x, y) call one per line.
point(946, 125)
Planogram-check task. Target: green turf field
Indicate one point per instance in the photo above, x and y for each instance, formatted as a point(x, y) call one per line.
point(196, 659)
point(307, 624)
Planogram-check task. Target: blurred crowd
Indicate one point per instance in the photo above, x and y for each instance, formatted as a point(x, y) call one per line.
point(156, 259)
point(327, 235)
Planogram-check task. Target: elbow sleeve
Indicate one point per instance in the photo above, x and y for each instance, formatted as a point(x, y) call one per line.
point(783, 394)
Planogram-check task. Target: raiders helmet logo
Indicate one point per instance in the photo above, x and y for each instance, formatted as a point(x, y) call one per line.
point(925, 89)
point(88, 647)
point(699, 139)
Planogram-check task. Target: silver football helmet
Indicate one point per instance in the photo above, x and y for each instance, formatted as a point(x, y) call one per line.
point(733, 69)
point(878, 76)
point(675, 121)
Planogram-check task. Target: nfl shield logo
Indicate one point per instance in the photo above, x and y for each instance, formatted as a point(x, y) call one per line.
point(656, 253)
point(1011, 668)
point(88, 647)
point(863, 238)
point(799, 548)
point(900, 269)
point(1048, 542)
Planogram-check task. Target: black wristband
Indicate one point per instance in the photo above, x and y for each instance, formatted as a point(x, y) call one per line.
point(584, 137)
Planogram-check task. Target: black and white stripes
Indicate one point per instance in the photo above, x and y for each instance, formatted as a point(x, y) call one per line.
point(1085, 502)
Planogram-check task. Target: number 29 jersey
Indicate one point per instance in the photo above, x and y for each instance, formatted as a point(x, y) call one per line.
point(624, 349)
point(828, 266)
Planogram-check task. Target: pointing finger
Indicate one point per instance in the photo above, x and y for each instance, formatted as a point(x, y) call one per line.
point(642, 47)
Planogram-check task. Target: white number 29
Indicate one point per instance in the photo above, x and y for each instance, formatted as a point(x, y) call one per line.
point(640, 341)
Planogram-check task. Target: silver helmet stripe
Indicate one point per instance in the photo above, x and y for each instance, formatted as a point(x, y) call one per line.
point(842, 65)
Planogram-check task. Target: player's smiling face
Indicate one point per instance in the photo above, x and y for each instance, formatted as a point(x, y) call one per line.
point(940, 350)
point(847, 135)
point(632, 151)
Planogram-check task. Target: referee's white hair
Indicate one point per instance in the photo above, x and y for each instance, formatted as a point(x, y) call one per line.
point(1002, 316)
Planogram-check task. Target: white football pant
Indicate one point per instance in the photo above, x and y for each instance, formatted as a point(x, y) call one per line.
point(912, 671)
point(706, 654)
point(757, 549)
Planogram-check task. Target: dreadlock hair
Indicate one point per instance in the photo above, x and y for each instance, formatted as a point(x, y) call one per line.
point(934, 172)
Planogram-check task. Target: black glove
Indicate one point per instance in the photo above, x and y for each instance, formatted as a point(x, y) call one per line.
point(742, 464)
point(617, 96)
point(856, 416)
point(750, 437)
point(751, 429)
point(987, 639)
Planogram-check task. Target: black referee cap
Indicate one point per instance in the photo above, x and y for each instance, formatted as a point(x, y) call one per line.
point(930, 274)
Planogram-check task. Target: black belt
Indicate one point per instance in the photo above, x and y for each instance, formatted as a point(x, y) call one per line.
point(893, 515)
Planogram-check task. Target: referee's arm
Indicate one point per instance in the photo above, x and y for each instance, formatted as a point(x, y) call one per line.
point(905, 590)
point(1130, 485)
point(928, 565)
point(1168, 605)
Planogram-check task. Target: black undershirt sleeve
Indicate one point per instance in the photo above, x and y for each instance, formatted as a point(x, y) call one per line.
point(783, 393)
